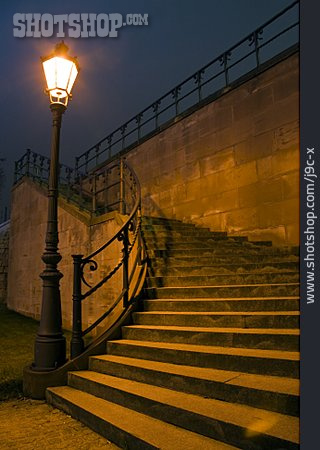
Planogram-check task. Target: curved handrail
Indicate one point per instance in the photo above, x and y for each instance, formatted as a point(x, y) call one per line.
point(132, 248)
point(133, 212)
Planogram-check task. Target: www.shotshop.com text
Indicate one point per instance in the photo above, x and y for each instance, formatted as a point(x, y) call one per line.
point(310, 177)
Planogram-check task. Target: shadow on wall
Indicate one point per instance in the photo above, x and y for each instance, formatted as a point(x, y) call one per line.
point(157, 239)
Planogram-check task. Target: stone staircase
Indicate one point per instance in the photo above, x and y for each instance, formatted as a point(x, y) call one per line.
point(212, 358)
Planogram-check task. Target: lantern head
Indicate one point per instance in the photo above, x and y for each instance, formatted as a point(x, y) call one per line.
point(60, 71)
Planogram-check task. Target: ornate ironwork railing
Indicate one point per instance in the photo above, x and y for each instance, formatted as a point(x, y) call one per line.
point(275, 36)
point(132, 264)
point(37, 167)
point(33, 165)
point(101, 191)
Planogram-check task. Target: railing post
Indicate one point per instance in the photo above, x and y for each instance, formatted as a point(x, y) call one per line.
point(138, 122)
point(139, 249)
point(123, 137)
point(68, 170)
point(16, 170)
point(34, 168)
point(76, 167)
point(109, 139)
point(224, 62)
point(80, 191)
point(125, 266)
point(48, 168)
point(86, 161)
point(41, 168)
point(94, 193)
point(175, 95)
point(254, 39)
point(155, 108)
point(97, 154)
point(122, 189)
point(28, 162)
point(77, 344)
point(198, 79)
point(105, 192)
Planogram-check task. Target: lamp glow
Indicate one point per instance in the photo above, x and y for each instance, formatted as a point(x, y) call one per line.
point(60, 72)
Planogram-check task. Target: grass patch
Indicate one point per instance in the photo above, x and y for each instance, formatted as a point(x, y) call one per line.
point(17, 335)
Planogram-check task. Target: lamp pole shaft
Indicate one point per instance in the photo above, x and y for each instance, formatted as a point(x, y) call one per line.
point(50, 344)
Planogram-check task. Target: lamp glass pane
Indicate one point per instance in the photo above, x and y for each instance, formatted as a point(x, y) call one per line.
point(60, 74)
point(49, 68)
point(73, 76)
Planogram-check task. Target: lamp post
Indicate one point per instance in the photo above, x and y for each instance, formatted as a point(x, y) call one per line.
point(50, 345)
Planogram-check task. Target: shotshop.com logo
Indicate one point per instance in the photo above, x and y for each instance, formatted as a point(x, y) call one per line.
point(84, 25)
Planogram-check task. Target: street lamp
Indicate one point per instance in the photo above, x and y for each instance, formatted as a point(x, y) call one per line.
point(50, 345)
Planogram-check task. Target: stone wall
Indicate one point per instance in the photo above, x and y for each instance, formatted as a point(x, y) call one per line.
point(234, 164)
point(4, 245)
point(77, 235)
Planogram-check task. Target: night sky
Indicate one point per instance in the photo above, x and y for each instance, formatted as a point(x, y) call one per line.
point(119, 76)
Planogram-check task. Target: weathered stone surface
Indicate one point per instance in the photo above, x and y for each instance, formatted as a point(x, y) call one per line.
point(284, 111)
point(286, 85)
point(293, 232)
point(246, 174)
point(245, 142)
point(290, 184)
point(222, 160)
point(254, 148)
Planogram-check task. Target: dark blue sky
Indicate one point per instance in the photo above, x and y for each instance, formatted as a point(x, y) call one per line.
point(119, 76)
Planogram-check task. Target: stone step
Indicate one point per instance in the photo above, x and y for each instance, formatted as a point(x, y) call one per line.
point(223, 259)
point(125, 427)
point(226, 269)
point(269, 339)
point(268, 392)
point(218, 420)
point(255, 361)
point(183, 244)
point(250, 290)
point(189, 234)
point(224, 304)
point(157, 219)
point(172, 227)
point(169, 228)
point(242, 319)
point(185, 232)
point(152, 221)
point(254, 251)
point(219, 279)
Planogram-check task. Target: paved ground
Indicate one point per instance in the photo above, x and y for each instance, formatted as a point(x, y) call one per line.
point(31, 424)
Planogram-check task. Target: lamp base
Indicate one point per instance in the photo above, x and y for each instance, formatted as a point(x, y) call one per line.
point(49, 353)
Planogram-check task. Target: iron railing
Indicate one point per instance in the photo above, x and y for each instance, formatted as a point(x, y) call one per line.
point(132, 263)
point(251, 54)
point(37, 167)
point(100, 192)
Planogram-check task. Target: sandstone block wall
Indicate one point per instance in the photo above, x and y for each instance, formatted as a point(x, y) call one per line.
point(234, 164)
